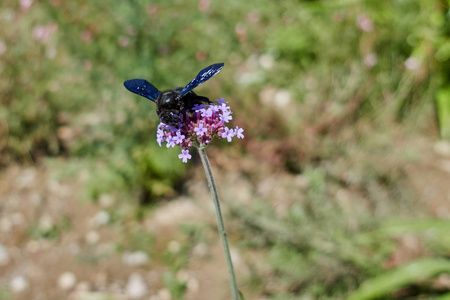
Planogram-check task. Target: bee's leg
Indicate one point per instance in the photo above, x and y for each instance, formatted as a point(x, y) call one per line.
point(201, 99)
point(192, 99)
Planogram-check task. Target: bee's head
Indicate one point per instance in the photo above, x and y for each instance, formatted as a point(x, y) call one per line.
point(168, 100)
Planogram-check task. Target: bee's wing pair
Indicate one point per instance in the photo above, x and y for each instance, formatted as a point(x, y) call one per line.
point(146, 89)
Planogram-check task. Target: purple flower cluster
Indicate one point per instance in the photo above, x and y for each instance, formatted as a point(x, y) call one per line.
point(198, 127)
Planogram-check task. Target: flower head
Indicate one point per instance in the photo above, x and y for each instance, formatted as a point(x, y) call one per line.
point(198, 127)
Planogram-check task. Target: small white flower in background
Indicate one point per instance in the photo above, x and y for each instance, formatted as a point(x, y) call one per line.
point(365, 23)
point(43, 33)
point(25, 4)
point(266, 61)
point(412, 63)
point(282, 98)
point(370, 60)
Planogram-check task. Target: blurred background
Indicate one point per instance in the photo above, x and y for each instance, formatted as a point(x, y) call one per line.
point(340, 189)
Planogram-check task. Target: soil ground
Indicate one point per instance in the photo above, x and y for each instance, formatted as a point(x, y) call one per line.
point(55, 246)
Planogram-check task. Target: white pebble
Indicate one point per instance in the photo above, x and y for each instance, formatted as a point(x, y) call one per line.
point(136, 258)
point(66, 281)
point(136, 287)
point(4, 256)
point(200, 250)
point(92, 237)
point(193, 285)
point(164, 294)
point(235, 256)
point(46, 222)
point(18, 284)
point(6, 225)
point(442, 148)
point(101, 218)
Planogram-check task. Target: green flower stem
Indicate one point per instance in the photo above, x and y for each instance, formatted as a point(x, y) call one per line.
point(222, 233)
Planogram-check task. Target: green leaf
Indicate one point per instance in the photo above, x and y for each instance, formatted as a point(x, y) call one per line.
point(444, 297)
point(402, 276)
point(443, 109)
point(395, 227)
point(241, 295)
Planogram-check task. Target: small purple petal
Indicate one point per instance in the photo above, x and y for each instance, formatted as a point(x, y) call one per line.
point(159, 139)
point(207, 113)
point(179, 138)
point(215, 108)
point(198, 107)
point(221, 101)
point(172, 128)
point(239, 132)
point(226, 116)
point(184, 155)
point(170, 142)
point(228, 134)
point(200, 130)
point(224, 107)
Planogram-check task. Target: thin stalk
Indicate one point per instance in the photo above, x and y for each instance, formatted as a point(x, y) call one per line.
point(220, 224)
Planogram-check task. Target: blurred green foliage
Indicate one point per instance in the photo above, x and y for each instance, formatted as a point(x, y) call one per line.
point(318, 249)
point(315, 249)
point(402, 276)
point(177, 257)
point(63, 70)
point(343, 63)
point(46, 230)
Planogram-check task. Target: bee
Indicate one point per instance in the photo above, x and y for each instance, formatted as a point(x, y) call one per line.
point(172, 104)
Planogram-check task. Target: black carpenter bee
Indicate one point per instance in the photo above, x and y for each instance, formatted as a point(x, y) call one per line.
point(171, 104)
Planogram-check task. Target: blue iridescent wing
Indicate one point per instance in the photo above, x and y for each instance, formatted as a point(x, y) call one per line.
point(202, 76)
point(142, 87)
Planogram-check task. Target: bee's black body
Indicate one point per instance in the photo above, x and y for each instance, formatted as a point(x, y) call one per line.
point(172, 104)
